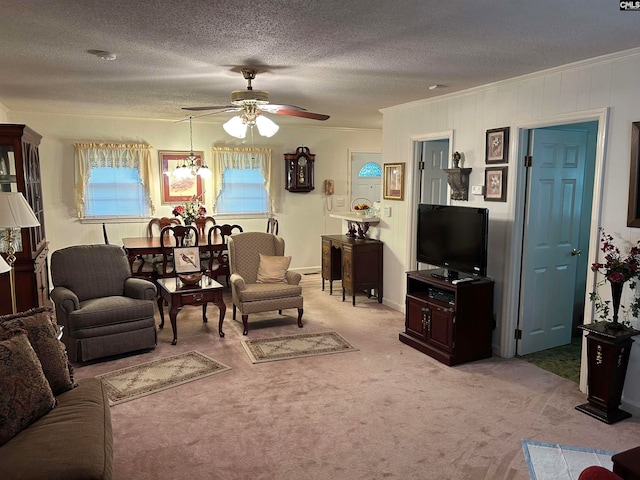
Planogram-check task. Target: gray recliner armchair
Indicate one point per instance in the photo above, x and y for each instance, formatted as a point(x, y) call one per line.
point(104, 310)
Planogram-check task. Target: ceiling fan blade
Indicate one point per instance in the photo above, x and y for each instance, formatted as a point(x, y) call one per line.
point(303, 114)
point(273, 108)
point(213, 107)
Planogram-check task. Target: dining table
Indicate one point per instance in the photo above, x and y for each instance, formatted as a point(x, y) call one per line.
point(137, 246)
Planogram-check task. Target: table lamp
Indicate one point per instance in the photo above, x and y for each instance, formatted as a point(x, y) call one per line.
point(15, 212)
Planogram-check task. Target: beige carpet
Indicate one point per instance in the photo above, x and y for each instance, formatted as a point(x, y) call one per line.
point(150, 377)
point(296, 346)
point(385, 412)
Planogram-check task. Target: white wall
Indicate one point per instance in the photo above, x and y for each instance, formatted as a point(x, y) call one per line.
point(302, 216)
point(603, 83)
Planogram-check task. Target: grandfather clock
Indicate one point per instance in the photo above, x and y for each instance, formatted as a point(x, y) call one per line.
point(299, 170)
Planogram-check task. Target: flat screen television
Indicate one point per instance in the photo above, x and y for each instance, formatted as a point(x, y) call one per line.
point(453, 238)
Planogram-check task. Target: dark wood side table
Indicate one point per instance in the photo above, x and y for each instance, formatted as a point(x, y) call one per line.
point(178, 295)
point(627, 464)
point(607, 358)
point(358, 262)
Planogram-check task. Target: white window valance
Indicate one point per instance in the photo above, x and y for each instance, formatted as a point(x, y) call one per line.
point(111, 155)
point(238, 158)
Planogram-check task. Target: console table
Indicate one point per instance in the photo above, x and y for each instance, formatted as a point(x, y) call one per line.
point(357, 262)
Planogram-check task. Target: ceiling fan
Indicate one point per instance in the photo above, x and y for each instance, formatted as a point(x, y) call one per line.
point(251, 104)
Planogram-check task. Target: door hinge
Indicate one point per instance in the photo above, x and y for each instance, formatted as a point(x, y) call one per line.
point(518, 334)
point(420, 165)
point(528, 160)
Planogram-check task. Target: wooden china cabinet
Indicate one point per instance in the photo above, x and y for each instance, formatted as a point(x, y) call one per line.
point(20, 172)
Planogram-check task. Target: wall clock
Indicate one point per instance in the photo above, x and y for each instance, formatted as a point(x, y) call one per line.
point(299, 170)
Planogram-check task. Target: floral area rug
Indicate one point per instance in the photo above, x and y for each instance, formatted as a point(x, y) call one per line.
point(151, 377)
point(296, 346)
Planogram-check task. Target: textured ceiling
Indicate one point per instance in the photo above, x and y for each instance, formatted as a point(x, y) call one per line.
point(344, 58)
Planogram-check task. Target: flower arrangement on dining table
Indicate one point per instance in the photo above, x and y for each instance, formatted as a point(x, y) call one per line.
point(190, 210)
point(617, 269)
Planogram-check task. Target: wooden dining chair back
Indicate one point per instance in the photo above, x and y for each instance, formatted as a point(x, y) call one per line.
point(171, 237)
point(157, 224)
point(272, 225)
point(218, 255)
point(147, 266)
point(201, 224)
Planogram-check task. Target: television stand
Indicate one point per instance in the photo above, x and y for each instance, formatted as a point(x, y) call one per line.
point(452, 323)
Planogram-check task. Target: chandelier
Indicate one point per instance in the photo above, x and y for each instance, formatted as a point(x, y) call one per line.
point(190, 167)
point(250, 116)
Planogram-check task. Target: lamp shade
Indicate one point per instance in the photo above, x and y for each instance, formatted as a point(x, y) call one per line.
point(4, 266)
point(15, 212)
point(235, 127)
point(266, 126)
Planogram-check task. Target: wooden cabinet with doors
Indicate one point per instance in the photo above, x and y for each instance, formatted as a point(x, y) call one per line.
point(20, 172)
point(451, 323)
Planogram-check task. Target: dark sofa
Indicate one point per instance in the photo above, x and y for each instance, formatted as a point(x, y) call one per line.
point(50, 426)
point(73, 441)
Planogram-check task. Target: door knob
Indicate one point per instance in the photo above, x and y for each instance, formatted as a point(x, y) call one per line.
point(575, 252)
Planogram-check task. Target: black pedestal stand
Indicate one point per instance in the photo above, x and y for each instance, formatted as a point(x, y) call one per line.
point(608, 356)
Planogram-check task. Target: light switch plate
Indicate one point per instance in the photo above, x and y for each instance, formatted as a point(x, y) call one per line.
point(477, 189)
point(387, 211)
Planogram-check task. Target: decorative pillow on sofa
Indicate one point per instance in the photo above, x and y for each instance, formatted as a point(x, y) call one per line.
point(272, 268)
point(40, 326)
point(25, 394)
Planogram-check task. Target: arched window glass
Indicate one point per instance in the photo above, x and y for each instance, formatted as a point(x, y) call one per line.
point(370, 170)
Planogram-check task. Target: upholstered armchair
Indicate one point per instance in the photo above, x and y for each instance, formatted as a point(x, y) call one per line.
point(104, 310)
point(261, 282)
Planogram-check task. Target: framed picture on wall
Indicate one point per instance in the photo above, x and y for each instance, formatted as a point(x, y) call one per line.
point(393, 181)
point(495, 184)
point(497, 147)
point(178, 190)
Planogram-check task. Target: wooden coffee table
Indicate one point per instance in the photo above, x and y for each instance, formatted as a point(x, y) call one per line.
point(177, 295)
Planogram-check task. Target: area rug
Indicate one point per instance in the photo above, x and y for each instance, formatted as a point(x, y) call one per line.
point(547, 461)
point(296, 346)
point(151, 377)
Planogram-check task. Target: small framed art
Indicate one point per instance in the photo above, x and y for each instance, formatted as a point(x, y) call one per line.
point(393, 188)
point(497, 148)
point(495, 184)
point(186, 259)
point(178, 190)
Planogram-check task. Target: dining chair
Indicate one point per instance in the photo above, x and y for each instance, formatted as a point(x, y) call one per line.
point(218, 254)
point(201, 224)
point(148, 265)
point(272, 225)
point(171, 237)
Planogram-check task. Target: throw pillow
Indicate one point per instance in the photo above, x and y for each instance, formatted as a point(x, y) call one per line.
point(41, 329)
point(272, 268)
point(25, 394)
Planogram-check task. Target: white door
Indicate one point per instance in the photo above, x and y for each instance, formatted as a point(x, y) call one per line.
point(434, 157)
point(555, 185)
point(366, 177)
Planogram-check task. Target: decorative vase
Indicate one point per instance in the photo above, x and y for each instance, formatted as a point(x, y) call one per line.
point(616, 295)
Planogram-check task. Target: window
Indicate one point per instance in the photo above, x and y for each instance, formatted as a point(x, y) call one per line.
point(370, 169)
point(242, 180)
point(113, 181)
point(242, 192)
point(116, 192)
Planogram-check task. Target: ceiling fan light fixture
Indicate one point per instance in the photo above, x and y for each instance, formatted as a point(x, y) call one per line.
point(236, 127)
point(266, 126)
